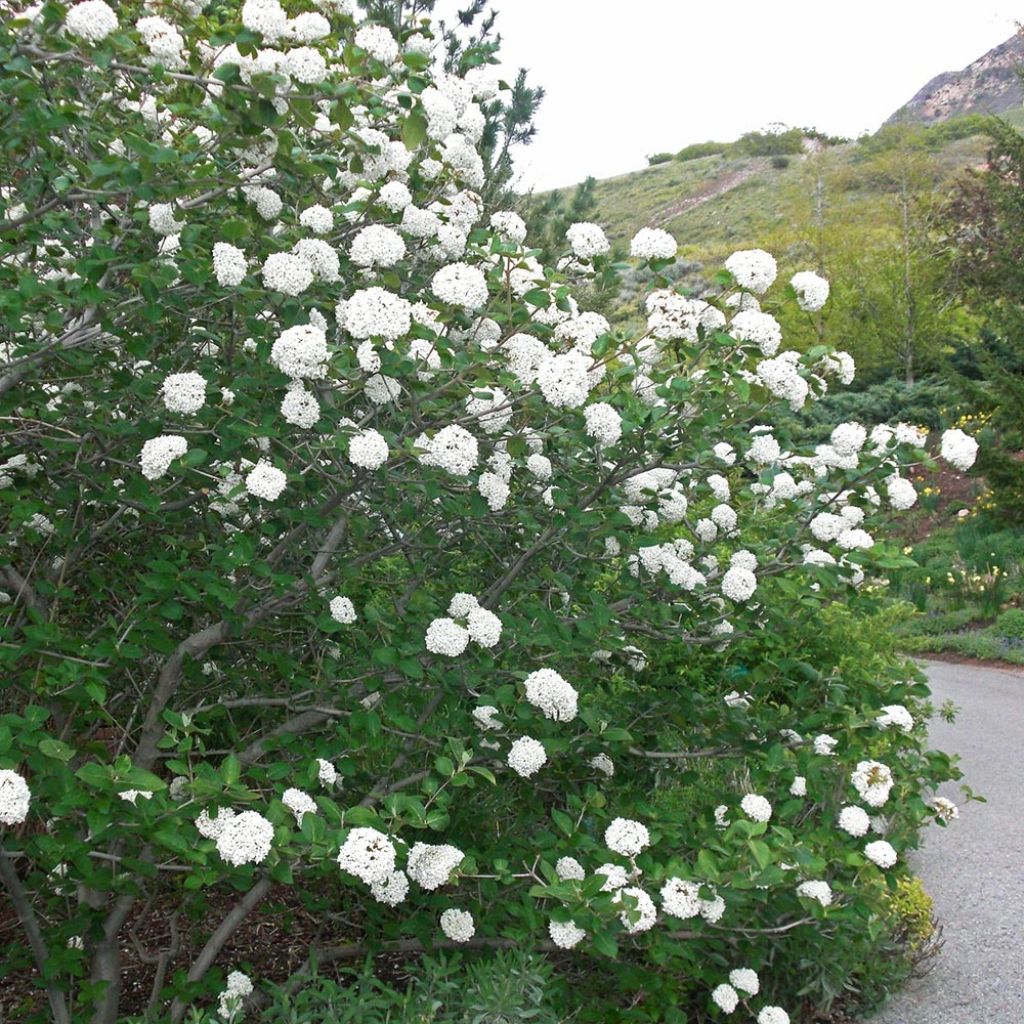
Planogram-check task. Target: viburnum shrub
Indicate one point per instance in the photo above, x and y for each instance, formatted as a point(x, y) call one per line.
point(345, 552)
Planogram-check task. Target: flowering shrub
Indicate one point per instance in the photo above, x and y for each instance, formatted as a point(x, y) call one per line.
point(345, 552)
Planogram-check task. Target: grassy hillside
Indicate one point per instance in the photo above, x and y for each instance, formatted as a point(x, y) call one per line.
point(716, 204)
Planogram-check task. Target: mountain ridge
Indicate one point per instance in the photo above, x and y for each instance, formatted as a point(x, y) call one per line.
point(989, 85)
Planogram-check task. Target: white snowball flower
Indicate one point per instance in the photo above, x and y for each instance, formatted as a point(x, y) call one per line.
point(486, 718)
point(615, 877)
point(484, 627)
point(754, 269)
point(825, 745)
point(300, 407)
point(376, 312)
point(229, 265)
point(92, 20)
point(457, 924)
point(569, 869)
point(640, 918)
point(430, 867)
point(527, 756)
point(318, 219)
point(378, 42)
point(299, 803)
point(587, 240)
point(902, 494)
point(459, 284)
point(756, 328)
point(798, 787)
point(301, 351)
point(265, 481)
point(854, 821)
point(326, 773)
point(343, 610)
point(377, 246)
point(452, 448)
point(945, 810)
point(368, 449)
point(873, 781)
point(848, 438)
point(746, 980)
point(881, 853)
point(739, 584)
point(895, 715)
point(367, 854)
point(547, 690)
point(159, 452)
point(772, 1015)
point(565, 934)
point(811, 290)
point(603, 423)
point(816, 890)
point(232, 1000)
point(564, 379)
point(245, 839)
point(755, 807)
point(391, 890)
point(725, 998)
point(184, 393)
point(681, 898)
point(445, 636)
point(284, 272)
point(959, 449)
point(627, 837)
point(653, 244)
point(14, 797)
point(509, 227)
point(395, 196)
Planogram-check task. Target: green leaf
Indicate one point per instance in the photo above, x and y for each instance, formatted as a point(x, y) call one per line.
point(414, 130)
point(56, 749)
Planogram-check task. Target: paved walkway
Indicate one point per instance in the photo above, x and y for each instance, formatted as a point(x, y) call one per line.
point(974, 869)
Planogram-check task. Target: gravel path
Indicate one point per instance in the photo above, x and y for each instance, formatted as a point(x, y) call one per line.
point(974, 869)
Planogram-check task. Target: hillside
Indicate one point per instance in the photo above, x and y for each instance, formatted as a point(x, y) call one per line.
point(716, 204)
point(988, 85)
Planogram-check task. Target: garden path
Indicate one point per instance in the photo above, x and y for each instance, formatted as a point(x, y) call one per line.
point(974, 869)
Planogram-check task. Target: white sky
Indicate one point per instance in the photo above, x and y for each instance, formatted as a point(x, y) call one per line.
point(633, 77)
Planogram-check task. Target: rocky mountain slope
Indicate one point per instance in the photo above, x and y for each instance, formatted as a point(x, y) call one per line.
point(989, 85)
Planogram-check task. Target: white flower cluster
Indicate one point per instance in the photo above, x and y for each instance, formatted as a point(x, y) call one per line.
point(881, 853)
point(232, 999)
point(527, 756)
point(754, 269)
point(430, 867)
point(245, 839)
point(461, 285)
point(91, 20)
point(367, 854)
point(639, 914)
point(627, 837)
point(453, 449)
point(229, 265)
point(458, 924)
point(653, 244)
point(873, 781)
point(377, 246)
point(301, 352)
point(547, 690)
point(14, 797)
point(566, 934)
point(265, 481)
point(587, 240)
point(159, 452)
point(816, 890)
point(895, 715)
point(299, 803)
point(375, 313)
point(756, 807)
point(184, 393)
point(342, 610)
point(854, 820)
point(811, 290)
point(368, 449)
point(287, 273)
point(959, 449)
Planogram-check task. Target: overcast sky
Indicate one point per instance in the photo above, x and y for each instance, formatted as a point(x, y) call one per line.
point(633, 77)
